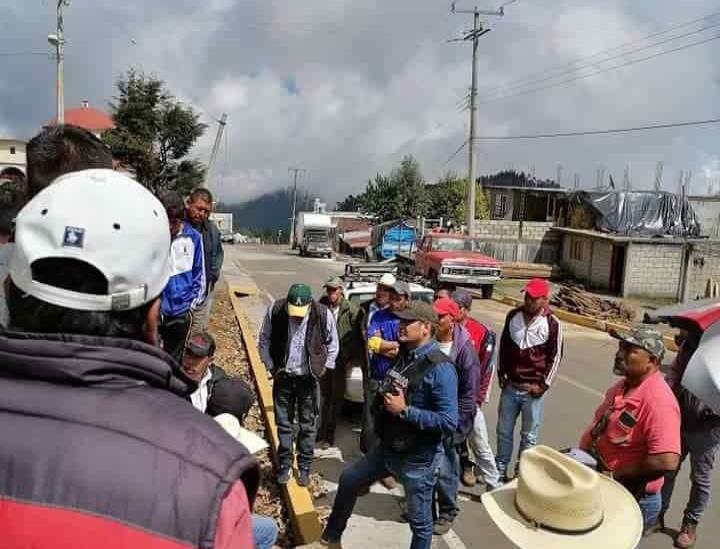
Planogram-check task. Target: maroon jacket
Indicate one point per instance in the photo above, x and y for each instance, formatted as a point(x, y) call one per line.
point(530, 353)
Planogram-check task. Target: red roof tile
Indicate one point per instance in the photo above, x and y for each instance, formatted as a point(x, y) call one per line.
point(86, 117)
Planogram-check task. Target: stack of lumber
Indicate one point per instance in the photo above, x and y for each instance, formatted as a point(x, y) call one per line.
point(574, 298)
point(529, 270)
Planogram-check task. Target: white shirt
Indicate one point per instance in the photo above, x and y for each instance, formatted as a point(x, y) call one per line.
point(199, 398)
point(445, 347)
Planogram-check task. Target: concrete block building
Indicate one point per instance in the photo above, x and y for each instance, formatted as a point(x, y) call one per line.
point(13, 160)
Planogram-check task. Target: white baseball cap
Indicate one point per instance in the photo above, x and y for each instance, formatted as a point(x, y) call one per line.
point(388, 279)
point(99, 217)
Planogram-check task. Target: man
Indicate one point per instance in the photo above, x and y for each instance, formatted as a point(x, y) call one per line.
point(58, 150)
point(197, 213)
point(455, 342)
point(298, 343)
point(635, 434)
point(332, 386)
point(417, 409)
point(108, 456)
point(216, 392)
point(530, 353)
point(186, 287)
point(700, 440)
point(479, 442)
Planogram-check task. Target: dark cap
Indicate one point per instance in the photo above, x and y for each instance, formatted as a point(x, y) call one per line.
point(462, 298)
point(401, 288)
point(230, 395)
point(200, 344)
point(298, 300)
point(418, 310)
point(644, 337)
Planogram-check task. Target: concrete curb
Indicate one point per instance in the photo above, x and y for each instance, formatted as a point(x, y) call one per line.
point(580, 320)
point(303, 515)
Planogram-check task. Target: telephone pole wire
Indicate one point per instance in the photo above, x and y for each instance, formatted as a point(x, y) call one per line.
point(477, 31)
point(294, 171)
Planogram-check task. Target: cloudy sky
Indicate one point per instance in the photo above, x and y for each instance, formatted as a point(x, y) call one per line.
point(345, 88)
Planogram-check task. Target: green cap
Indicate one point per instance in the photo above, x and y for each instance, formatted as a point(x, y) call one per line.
point(418, 310)
point(334, 282)
point(644, 337)
point(298, 299)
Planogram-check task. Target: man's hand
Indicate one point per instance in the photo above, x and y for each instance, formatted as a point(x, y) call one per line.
point(536, 390)
point(395, 403)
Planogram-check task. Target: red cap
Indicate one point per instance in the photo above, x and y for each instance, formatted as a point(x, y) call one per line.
point(446, 306)
point(537, 287)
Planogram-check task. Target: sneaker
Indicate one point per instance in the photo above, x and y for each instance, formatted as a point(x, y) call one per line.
point(442, 526)
point(468, 477)
point(687, 536)
point(303, 477)
point(284, 475)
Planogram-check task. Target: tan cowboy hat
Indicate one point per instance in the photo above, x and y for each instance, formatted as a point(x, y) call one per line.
point(559, 503)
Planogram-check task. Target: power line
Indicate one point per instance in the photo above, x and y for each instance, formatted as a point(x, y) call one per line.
point(579, 68)
point(23, 53)
point(583, 77)
point(457, 152)
point(528, 79)
point(599, 132)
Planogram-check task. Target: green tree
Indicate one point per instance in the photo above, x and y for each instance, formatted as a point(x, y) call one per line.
point(154, 134)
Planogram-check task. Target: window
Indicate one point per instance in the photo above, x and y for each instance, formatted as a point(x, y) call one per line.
point(578, 249)
point(501, 205)
point(12, 150)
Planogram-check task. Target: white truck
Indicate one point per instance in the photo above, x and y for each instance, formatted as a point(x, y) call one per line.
point(224, 223)
point(313, 234)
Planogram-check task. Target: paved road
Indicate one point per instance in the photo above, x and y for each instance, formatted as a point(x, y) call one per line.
point(584, 375)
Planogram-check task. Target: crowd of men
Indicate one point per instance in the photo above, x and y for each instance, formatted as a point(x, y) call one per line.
point(118, 425)
point(428, 372)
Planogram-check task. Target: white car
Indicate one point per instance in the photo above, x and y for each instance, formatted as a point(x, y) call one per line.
point(358, 293)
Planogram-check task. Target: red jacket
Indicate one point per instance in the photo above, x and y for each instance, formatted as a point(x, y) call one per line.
point(530, 353)
point(484, 343)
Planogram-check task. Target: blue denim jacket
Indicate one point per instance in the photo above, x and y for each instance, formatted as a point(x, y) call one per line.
point(433, 409)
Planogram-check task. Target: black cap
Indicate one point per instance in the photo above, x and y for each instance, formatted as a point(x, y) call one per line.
point(230, 395)
point(418, 310)
point(200, 344)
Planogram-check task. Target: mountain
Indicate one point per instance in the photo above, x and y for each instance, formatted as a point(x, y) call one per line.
point(269, 212)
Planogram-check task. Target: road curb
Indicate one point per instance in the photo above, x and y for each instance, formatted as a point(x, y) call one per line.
point(303, 515)
point(580, 320)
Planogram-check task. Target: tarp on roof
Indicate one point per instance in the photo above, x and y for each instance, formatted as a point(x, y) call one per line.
point(640, 213)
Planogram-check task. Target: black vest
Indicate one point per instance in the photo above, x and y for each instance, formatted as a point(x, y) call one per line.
point(396, 434)
point(316, 336)
point(100, 426)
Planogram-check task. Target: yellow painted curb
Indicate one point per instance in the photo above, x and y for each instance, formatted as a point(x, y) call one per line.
point(303, 515)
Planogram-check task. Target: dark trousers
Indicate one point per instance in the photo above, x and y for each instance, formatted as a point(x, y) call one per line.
point(174, 332)
point(295, 395)
point(368, 438)
point(332, 395)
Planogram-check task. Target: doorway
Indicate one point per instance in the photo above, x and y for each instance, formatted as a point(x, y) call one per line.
point(617, 269)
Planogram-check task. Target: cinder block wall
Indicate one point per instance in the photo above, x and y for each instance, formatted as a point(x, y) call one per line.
point(704, 264)
point(525, 242)
point(652, 270)
point(513, 230)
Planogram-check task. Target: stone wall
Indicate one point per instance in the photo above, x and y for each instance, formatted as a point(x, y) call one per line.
point(516, 241)
point(653, 270)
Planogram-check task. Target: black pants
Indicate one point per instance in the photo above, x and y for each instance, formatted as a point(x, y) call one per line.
point(295, 394)
point(174, 332)
point(368, 438)
point(332, 395)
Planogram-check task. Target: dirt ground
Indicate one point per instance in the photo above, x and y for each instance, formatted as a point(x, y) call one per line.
point(231, 356)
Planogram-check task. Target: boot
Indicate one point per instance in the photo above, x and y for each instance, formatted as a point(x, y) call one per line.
point(468, 477)
point(688, 534)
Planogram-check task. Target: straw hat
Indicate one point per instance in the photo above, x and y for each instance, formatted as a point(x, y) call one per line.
point(559, 503)
point(250, 440)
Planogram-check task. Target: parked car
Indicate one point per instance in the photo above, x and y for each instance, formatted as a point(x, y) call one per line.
point(359, 293)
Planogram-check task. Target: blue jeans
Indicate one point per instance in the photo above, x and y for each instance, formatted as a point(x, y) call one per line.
point(265, 532)
point(448, 483)
point(513, 402)
point(650, 507)
point(417, 478)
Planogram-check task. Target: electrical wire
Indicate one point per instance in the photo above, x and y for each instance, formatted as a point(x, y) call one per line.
point(457, 152)
point(616, 67)
point(599, 132)
point(600, 62)
point(529, 78)
point(23, 53)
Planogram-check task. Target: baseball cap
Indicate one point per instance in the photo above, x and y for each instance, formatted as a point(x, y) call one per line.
point(446, 306)
point(401, 288)
point(644, 337)
point(102, 218)
point(462, 298)
point(537, 287)
point(298, 299)
point(418, 310)
point(200, 344)
point(334, 282)
point(388, 279)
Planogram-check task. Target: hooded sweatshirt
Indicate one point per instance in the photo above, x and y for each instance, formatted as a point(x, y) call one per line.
point(467, 363)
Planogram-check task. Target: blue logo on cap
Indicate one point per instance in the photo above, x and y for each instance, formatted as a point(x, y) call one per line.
point(74, 237)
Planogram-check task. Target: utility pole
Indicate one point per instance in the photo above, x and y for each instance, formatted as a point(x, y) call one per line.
point(58, 40)
point(295, 171)
point(216, 146)
point(474, 35)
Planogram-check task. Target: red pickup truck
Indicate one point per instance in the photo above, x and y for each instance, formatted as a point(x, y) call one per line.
point(454, 259)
